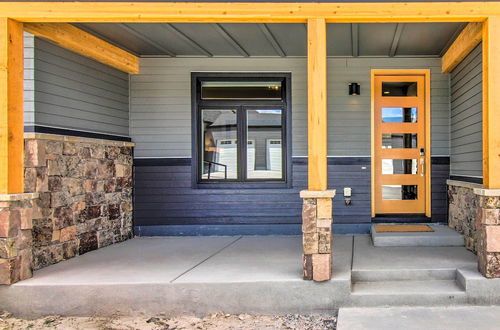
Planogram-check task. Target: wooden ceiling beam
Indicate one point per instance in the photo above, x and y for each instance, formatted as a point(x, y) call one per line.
point(466, 41)
point(203, 12)
point(86, 44)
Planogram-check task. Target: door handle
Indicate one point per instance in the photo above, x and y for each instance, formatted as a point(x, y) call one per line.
point(422, 166)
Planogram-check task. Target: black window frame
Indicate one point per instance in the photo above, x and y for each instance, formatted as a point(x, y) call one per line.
point(197, 104)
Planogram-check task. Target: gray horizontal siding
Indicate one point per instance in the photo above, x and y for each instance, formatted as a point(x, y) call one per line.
point(29, 81)
point(466, 116)
point(163, 196)
point(160, 115)
point(75, 92)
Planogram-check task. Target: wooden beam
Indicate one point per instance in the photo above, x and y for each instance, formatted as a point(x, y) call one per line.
point(491, 103)
point(86, 44)
point(11, 107)
point(350, 12)
point(316, 105)
point(466, 41)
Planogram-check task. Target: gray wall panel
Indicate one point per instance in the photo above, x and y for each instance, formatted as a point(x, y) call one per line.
point(466, 116)
point(164, 197)
point(29, 81)
point(75, 92)
point(160, 115)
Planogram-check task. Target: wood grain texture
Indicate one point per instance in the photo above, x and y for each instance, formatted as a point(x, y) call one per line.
point(248, 12)
point(491, 103)
point(466, 41)
point(11, 107)
point(317, 113)
point(84, 43)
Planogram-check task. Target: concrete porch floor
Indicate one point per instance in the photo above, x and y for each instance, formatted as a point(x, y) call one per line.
point(250, 274)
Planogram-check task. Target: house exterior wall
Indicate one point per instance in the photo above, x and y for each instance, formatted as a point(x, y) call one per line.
point(160, 112)
point(160, 118)
point(72, 92)
point(466, 118)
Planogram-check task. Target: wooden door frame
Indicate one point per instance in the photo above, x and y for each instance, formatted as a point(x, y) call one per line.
point(427, 78)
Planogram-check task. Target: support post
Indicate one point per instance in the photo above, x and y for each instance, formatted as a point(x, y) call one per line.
point(317, 208)
point(11, 107)
point(491, 103)
point(316, 105)
point(488, 216)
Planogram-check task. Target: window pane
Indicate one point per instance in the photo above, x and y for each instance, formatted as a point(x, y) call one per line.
point(399, 166)
point(399, 88)
point(265, 144)
point(242, 90)
point(399, 115)
point(399, 140)
point(399, 192)
point(220, 149)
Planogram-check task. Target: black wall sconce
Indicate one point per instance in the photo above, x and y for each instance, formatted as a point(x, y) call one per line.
point(354, 89)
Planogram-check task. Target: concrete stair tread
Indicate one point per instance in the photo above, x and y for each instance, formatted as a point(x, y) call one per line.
point(441, 236)
point(393, 288)
point(403, 274)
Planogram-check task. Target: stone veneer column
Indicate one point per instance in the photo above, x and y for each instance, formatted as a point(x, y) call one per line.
point(16, 237)
point(317, 234)
point(488, 231)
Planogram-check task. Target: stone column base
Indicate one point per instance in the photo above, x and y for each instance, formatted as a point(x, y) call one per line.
point(16, 253)
point(317, 236)
point(488, 231)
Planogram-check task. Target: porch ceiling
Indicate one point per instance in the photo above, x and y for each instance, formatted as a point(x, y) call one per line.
point(276, 40)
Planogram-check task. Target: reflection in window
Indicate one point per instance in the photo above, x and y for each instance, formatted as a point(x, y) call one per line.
point(220, 149)
point(399, 140)
point(390, 88)
point(399, 192)
point(264, 148)
point(399, 115)
point(399, 166)
point(241, 90)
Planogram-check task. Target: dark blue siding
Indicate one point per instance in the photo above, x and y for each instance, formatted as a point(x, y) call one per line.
point(166, 204)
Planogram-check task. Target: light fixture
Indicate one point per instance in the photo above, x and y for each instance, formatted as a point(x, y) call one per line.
point(354, 89)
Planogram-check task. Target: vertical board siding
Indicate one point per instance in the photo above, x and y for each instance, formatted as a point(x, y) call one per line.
point(78, 93)
point(466, 116)
point(160, 118)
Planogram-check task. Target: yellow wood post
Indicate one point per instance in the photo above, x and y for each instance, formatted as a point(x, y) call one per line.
point(316, 104)
point(11, 107)
point(491, 103)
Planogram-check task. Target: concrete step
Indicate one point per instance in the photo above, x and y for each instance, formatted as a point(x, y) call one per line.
point(441, 236)
point(407, 274)
point(448, 287)
point(408, 293)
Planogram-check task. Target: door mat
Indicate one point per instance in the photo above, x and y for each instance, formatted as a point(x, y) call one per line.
point(402, 228)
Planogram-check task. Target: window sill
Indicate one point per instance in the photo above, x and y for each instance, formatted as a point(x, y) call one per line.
point(243, 185)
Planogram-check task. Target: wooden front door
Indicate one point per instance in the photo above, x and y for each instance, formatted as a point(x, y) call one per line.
point(399, 144)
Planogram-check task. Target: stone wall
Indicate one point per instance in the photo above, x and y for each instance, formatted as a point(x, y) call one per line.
point(475, 212)
point(16, 237)
point(462, 211)
point(85, 194)
point(317, 235)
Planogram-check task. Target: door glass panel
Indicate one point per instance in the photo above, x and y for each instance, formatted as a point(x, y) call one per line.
point(399, 115)
point(399, 166)
point(264, 147)
point(399, 140)
point(399, 192)
point(241, 90)
point(219, 148)
point(390, 88)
